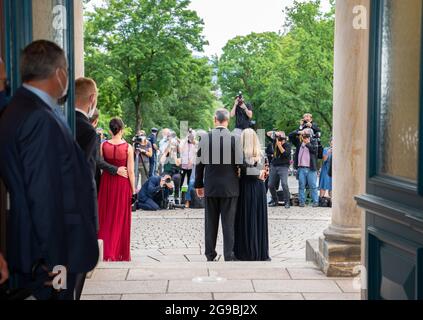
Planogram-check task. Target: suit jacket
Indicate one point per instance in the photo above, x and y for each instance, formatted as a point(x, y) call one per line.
point(217, 171)
point(312, 147)
point(151, 188)
point(3, 100)
point(86, 137)
point(101, 164)
point(52, 193)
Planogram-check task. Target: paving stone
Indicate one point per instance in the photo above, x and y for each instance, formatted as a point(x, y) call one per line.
point(101, 297)
point(250, 273)
point(332, 296)
point(307, 274)
point(124, 287)
point(166, 274)
point(258, 296)
point(300, 286)
point(349, 285)
point(109, 275)
point(196, 257)
point(169, 296)
point(180, 286)
point(181, 251)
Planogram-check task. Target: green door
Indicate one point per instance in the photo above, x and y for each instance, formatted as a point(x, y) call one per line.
point(394, 198)
point(22, 21)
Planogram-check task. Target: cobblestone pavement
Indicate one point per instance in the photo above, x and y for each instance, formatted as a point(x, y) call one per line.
point(178, 229)
point(168, 262)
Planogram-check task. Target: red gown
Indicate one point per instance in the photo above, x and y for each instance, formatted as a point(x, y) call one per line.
point(114, 206)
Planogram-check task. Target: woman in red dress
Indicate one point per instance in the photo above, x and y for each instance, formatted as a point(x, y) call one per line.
point(115, 197)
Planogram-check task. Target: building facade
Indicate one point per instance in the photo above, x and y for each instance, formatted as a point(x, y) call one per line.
point(377, 223)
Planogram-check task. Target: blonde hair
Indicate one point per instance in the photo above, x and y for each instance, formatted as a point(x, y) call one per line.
point(251, 147)
point(84, 88)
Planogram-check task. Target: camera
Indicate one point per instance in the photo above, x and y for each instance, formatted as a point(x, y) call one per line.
point(138, 140)
point(168, 180)
point(240, 99)
point(277, 136)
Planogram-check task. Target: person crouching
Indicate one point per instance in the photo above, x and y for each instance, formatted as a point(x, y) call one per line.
point(155, 192)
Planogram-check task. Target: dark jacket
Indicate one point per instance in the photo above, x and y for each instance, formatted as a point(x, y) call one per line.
point(314, 127)
point(150, 189)
point(312, 147)
point(3, 100)
point(101, 164)
point(86, 137)
point(219, 177)
point(52, 194)
point(282, 159)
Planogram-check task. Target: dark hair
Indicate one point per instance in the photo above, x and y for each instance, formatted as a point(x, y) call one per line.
point(40, 60)
point(116, 125)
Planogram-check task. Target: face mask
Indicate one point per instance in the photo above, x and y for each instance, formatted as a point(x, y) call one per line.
point(91, 112)
point(61, 101)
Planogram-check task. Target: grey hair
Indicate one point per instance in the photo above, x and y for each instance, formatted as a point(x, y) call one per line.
point(40, 60)
point(222, 115)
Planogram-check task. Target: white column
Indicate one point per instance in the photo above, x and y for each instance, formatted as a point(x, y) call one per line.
point(339, 249)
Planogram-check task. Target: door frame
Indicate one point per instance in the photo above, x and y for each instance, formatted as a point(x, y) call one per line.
point(393, 206)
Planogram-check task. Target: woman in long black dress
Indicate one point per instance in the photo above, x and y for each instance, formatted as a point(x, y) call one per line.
point(251, 228)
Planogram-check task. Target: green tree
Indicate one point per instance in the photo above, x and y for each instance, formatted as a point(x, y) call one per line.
point(141, 53)
point(284, 75)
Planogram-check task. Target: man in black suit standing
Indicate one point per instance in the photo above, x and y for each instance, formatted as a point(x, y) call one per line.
point(86, 136)
point(85, 106)
point(217, 180)
point(52, 221)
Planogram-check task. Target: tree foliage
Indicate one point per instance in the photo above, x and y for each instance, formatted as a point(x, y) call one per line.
point(284, 75)
point(140, 53)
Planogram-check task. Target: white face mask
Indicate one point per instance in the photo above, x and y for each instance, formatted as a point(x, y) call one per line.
point(91, 112)
point(62, 87)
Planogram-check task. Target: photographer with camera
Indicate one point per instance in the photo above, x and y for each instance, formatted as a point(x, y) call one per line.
point(307, 123)
point(153, 160)
point(143, 152)
point(279, 167)
point(171, 163)
point(305, 161)
point(155, 193)
point(243, 114)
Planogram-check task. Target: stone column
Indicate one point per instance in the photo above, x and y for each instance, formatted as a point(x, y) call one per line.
point(79, 38)
point(47, 25)
point(338, 250)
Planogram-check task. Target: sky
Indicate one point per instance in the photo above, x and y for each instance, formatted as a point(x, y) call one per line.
point(226, 19)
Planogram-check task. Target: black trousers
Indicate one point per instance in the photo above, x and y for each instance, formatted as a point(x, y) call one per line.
point(40, 291)
point(226, 208)
point(186, 173)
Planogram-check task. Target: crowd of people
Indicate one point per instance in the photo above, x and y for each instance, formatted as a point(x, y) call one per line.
point(67, 192)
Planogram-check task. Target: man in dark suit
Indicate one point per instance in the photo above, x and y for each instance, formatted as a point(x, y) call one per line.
point(52, 219)
point(86, 136)
point(217, 180)
point(85, 106)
